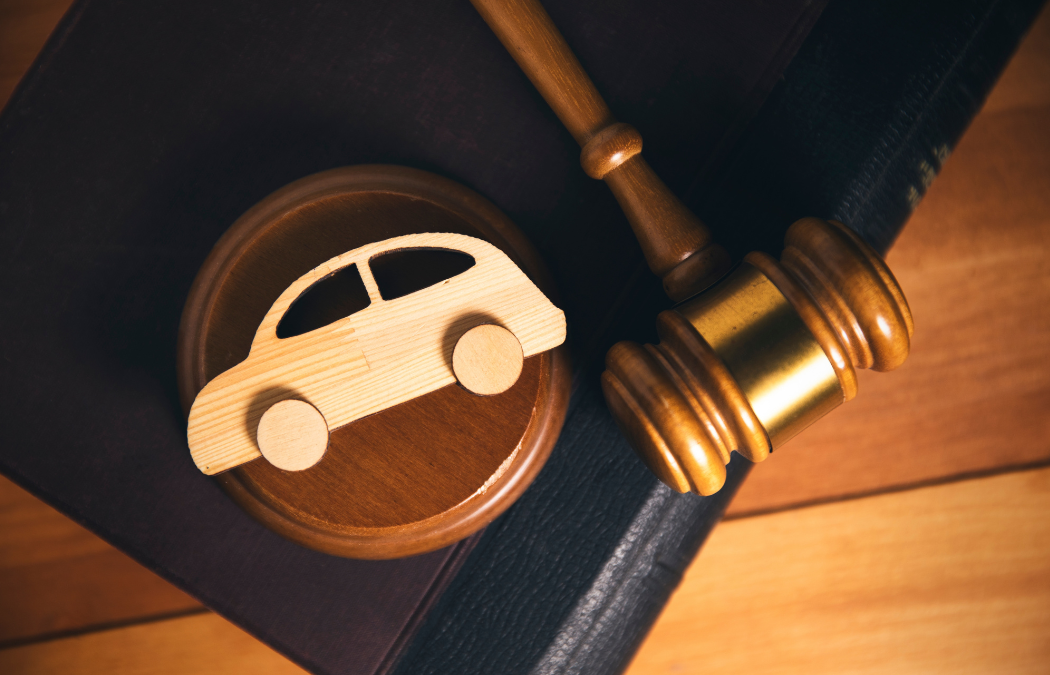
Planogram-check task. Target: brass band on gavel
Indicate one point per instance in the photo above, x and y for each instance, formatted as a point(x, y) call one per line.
point(755, 359)
point(759, 357)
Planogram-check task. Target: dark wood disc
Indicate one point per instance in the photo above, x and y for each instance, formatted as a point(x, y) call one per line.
point(417, 476)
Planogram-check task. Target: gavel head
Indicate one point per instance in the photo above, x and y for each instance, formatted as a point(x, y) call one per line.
point(766, 352)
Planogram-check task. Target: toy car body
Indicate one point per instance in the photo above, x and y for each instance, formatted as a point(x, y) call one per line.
point(388, 353)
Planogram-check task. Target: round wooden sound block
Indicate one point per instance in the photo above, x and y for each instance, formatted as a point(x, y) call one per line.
point(422, 474)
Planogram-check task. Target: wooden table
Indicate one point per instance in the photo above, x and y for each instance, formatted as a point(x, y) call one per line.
point(923, 546)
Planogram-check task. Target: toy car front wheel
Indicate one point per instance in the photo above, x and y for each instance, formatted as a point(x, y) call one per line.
point(292, 435)
point(487, 360)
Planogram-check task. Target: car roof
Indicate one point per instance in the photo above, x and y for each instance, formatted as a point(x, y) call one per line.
point(484, 254)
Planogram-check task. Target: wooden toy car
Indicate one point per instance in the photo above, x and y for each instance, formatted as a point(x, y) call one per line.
point(285, 398)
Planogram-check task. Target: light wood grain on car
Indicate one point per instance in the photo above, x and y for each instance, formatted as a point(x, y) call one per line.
point(388, 353)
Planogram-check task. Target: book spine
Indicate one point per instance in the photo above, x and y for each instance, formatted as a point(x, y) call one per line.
point(572, 577)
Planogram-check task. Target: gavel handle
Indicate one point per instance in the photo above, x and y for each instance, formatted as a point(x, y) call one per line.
point(676, 244)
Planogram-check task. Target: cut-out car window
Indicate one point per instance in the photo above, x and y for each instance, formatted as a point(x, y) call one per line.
point(328, 300)
point(398, 273)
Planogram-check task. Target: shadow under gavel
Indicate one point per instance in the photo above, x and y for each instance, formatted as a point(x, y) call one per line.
point(748, 364)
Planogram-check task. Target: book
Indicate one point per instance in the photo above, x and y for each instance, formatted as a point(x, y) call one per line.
point(145, 129)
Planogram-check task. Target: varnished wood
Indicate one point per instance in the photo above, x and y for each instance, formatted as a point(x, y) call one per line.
point(951, 579)
point(676, 244)
point(487, 360)
point(390, 352)
point(946, 578)
point(24, 26)
point(413, 477)
point(762, 355)
point(56, 577)
point(204, 643)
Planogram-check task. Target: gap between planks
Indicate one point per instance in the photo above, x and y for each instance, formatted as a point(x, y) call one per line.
point(57, 578)
point(951, 578)
point(942, 577)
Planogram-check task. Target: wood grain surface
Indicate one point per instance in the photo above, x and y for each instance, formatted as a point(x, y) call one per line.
point(396, 482)
point(949, 578)
point(58, 578)
point(885, 583)
point(205, 643)
point(24, 26)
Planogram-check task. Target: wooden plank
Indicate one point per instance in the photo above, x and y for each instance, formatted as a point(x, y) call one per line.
point(974, 262)
point(205, 643)
point(57, 577)
point(32, 532)
point(952, 578)
point(24, 27)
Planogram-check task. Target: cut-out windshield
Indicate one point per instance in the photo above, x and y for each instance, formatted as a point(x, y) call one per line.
point(330, 299)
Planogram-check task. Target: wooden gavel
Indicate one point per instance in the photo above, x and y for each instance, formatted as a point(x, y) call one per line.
point(748, 364)
point(676, 244)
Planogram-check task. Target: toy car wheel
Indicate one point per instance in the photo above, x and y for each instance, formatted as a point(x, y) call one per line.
point(292, 435)
point(487, 360)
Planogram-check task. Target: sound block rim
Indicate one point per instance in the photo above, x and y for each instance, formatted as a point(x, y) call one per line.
point(551, 401)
